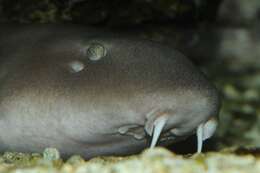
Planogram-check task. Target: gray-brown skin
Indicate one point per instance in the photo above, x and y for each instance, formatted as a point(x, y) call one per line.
point(87, 92)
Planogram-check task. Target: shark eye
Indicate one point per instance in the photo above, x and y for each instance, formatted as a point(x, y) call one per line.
point(96, 51)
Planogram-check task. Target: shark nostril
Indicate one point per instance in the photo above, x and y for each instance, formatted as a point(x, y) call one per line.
point(205, 131)
point(157, 129)
point(153, 116)
point(156, 121)
point(209, 128)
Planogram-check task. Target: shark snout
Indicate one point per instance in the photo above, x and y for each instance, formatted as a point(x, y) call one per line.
point(199, 116)
point(203, 131)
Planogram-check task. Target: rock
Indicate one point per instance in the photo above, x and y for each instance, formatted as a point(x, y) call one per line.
point(51, 154)
point(239, 12)
point(153, 160)
point(76, 159)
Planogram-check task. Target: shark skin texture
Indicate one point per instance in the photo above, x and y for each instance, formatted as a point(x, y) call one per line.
point(95, 93)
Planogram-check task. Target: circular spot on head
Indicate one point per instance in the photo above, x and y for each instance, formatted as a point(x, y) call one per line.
point(76, 66)
point(96, 51)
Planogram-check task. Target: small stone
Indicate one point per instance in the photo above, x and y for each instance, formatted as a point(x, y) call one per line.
point(51, 154)
point(247, 109)
point(157, 152)
point(75, 159)
point(231, 92)
point(251, 95)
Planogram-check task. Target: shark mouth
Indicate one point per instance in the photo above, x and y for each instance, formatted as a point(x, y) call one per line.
point(203, 131)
